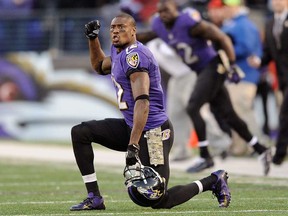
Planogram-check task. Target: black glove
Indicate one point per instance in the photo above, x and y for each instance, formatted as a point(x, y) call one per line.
point(92, 29)
point(235, 73)
point(132, 155)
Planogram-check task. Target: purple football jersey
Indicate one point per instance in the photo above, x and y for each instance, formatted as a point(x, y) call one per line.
point(196, 52)
point(135, 58)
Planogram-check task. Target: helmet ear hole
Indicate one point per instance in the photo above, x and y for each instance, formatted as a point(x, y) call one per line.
point(145, 189)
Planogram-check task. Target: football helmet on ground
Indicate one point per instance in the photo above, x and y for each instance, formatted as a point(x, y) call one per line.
point(145, 186)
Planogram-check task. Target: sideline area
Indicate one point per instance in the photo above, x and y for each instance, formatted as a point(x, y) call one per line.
point(63, 153)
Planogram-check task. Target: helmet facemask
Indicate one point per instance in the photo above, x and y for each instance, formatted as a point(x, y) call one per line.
point(145, 186)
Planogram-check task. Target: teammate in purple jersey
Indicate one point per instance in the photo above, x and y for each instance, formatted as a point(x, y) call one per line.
point(191, 38)
point(145, 133)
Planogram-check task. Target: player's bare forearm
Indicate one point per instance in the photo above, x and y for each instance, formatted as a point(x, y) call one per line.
point(223, 41)
point(145, 37)
point(226, 44)
point(140, 84)
point(212, 32)
point(98, 58)
point(141, 111)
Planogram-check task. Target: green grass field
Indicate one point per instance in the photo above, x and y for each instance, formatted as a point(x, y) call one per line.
point(49, 189)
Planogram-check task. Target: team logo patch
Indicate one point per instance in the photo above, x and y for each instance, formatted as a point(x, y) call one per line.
point(133, 59)
point(166, 134)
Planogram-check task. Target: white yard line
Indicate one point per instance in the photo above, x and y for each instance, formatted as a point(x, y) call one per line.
point(170, 212)
point(128, 200)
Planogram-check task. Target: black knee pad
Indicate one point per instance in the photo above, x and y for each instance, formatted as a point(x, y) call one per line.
point(80, 133)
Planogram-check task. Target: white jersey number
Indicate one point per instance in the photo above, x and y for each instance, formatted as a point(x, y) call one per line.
point(188, 58)
point(122, 104)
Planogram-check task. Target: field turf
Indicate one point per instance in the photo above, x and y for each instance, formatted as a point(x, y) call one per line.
point(49, 189)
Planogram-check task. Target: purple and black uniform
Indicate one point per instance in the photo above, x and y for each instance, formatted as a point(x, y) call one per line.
point(156, 139)
point(195, 52)
point(199, 54)
point(115, 133)
point(137, 58)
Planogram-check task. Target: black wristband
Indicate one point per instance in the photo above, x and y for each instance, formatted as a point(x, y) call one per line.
point(92, 38)
point(141, 97)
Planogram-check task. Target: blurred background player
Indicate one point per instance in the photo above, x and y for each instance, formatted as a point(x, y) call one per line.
point(180, 85)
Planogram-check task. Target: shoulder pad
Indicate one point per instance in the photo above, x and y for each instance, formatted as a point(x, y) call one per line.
point(193, 13)
point(131, 48)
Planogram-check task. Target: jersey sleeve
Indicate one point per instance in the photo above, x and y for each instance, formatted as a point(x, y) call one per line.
point(136, 61)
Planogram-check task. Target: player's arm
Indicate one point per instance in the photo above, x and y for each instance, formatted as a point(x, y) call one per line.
point(145, 37)
point(140, 84)
point(100, 63)
point(211, 32)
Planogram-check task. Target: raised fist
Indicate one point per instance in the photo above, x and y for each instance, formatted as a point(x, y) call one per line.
point(92, 29)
